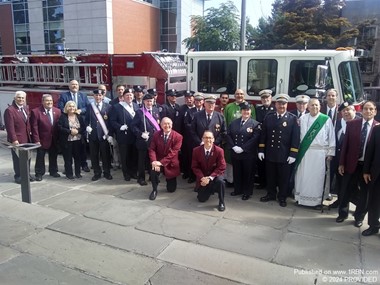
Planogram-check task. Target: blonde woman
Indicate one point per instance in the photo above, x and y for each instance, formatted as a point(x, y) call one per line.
point(71, 134)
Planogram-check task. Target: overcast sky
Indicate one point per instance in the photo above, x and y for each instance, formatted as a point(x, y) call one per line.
point(255, 9)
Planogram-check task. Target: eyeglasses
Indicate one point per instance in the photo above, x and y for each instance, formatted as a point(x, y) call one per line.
point(239, 93)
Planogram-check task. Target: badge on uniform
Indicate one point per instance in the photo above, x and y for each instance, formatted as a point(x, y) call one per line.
point(284, 124)
point(105, 117)
point(176, 113)
point(249, 130)
point(160, 109)
point(217, 127)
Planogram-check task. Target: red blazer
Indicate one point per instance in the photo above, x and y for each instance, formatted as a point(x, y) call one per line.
point(167, 153)
point(42, 130)
point(17, 128)
point(214, 166)
point(351, 145)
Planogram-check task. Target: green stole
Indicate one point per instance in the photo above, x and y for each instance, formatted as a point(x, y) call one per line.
point(310, 136)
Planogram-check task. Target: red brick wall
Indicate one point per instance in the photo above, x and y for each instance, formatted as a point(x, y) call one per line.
point(6, 29)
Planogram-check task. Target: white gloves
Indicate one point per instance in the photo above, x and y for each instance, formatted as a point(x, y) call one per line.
point(110, 140)
point(291, 160)
point(145, 135)
point(237, 149)
point(123, 128)
point(88, 129)
point(261, 155)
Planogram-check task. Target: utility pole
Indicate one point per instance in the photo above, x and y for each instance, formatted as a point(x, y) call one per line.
point(243, 25)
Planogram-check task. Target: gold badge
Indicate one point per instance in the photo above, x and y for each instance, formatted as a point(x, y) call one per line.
point(284, 124)
point(105, 117)
point(249, 130)
point(217, 127)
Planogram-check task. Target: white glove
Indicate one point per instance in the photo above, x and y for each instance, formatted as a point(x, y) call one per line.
point(110, 140)
point(291, 160)
point(123, 128)
point(88, 129)
point(237, 149)
point(145, 135)
point(261, 155)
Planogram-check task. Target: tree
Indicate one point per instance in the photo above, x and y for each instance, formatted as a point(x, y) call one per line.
point(296, 23)
point(218, 30)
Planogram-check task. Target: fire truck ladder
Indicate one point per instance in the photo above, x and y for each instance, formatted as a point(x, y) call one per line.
point(52, 74)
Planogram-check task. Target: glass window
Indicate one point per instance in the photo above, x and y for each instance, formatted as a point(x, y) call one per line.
point(217, 75)
point(261, 74)
point(350, 81)
point(20, 17)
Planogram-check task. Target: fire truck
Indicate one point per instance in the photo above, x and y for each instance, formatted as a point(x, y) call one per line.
point(293, 72)
point(40, 74)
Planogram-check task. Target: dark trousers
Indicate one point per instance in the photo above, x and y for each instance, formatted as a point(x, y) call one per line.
point(261, 172)
point(72, 151)
point(374, 203)
point(186, 156)
point(103, 148)
point(128, 159)
point(16, 164)
point(278, 174)
point(216, 185)
point(171, 184)
point(141, 163)
point(39, 167)
point(83, 154)
point(349, 182)
point(244, 175)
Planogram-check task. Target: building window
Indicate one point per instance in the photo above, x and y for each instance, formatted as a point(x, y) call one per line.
point(168, 31)
point(53, 25)
point(21, 26)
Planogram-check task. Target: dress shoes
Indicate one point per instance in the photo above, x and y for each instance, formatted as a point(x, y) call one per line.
point(229, 184)
point(282, 203)
point(185, 176)
point(86, 169)
point(191, 180)
point(358, 223)
point(55, 175)
point(245, 197)
point(78, 176)
point(153, 195)
point(31, 179)
point(235, 194)
point(260, 186)
point(134, 176)
point(95, 177)
point(142, 182)
point(221, 207)
point(340, 219)
point(370, 231)
point(108, 176)
point(18, 180)
point(38, 177)
point(70, 177)
point(267, 198)
point(127, 177)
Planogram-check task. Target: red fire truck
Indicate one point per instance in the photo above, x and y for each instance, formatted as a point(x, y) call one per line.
point(40, 74)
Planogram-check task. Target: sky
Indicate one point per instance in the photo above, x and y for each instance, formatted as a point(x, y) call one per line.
point(255, 9)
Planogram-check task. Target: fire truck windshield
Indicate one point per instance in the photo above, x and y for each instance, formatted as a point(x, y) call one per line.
point(350, 80)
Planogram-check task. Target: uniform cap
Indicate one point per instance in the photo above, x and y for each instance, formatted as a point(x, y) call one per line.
point(186, 93)
point(138, 88)
point(170, 92)
point(152, 91)
point(281, 98)
point(198, 96)
point(302, 99)
point(344, 105)
point(128, 90)
point(265, 93)
point(98, 91)
point(245, 106)
point(210, 98)
point(148, 96)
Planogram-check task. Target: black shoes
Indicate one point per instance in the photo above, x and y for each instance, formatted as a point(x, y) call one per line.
point(340, 219)
point(221, 207)
point(38, 177)
point(70, 177)
point(78, 176)
point(267, 198)
point(282, 203)
point(142, 182)
point(153, 195)
point(245, 197)
point(229, 184)
point(370, 231)
point(95, 177)
point(127, 177)
point(85, 168)
point(191, 180)
point(108, 176)
point(358, 223)
point(235, 194)
point(55, 175)
point(185, 176)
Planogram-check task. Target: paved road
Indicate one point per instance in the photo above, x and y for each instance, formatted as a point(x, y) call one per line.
point(108, 232)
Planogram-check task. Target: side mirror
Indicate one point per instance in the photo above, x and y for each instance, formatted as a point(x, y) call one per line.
point(321, 76)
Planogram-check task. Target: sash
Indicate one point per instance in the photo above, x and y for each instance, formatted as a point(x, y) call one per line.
point(310, 136)
point(150, 118)
point(128, 108)
point(100, 119)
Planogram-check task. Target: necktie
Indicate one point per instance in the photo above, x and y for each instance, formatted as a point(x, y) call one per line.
point(363, 136)
point(50, 116)
point(98, 105)
point(207, 154)
point(242, 123)
point(75, 99)
point(208, 119)
point(278, 117)
point(330, 114)
point(299, 114)
point(23, 113)
point(165, 139)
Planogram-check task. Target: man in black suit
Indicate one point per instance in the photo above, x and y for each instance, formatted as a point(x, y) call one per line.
point(121, 118)
point(82, 102)
point(171, 109)
point(371, 175)
point(97, 122)
point(138, 94)
point(144, 124)
point(301, 104)
point(208, 119)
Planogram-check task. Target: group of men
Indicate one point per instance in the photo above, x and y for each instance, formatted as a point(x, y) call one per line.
point(214, 145)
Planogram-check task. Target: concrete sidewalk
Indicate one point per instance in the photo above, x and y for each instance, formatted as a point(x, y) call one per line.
point(108, 232)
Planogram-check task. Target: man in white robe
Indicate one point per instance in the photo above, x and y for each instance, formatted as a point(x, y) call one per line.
point(318, 141)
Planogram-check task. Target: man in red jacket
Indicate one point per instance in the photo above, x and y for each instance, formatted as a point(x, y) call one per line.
point(43, 121)
point(163, 154)
point(208, 165)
